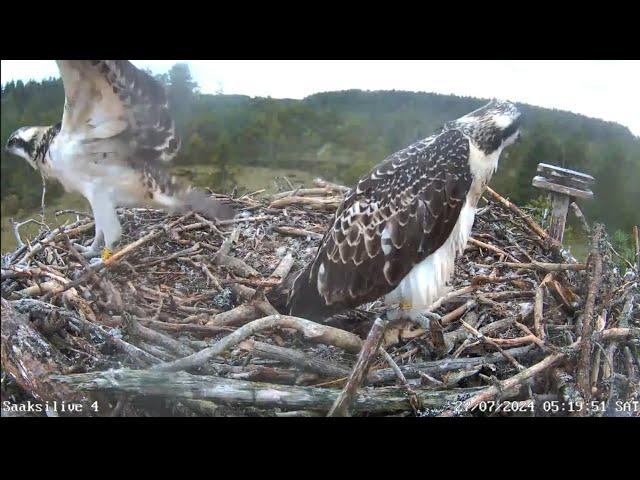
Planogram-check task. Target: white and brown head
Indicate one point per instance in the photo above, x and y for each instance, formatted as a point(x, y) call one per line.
point(491, 127)
point(32, 143)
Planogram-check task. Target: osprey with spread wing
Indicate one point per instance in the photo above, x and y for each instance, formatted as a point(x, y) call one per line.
point(399, 230)
point(114, 140)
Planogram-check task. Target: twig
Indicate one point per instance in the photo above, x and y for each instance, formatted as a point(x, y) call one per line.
point(311, 331)
point(538, 317)
point(547, 267)
point(584, 362)
point(17, 225)
point(580, 216)
point(492, 248)
point(318, 182)
point(342, 404)
point(297, 232)
point(493, 343)
point(530, 222)
point(283, 268)
point(324, 204)
point(636, 237)
point(514, 381)
point(260, 218)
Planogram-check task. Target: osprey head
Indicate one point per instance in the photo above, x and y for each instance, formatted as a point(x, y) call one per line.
point(492, 127)
point(27, 142)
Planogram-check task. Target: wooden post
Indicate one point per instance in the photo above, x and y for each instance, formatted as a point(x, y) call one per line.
point(563, 186)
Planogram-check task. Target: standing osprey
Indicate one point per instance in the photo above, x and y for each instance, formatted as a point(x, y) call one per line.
point(115, 136)
point(398, 232)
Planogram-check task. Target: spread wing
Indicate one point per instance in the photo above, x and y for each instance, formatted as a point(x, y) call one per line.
point(112, 99)
point(399, 214)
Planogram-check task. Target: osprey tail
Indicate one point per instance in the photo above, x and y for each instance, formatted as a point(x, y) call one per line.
point(306, 302)
point(165, 190)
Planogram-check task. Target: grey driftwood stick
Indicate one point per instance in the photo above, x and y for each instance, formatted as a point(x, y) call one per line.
point(264, 395)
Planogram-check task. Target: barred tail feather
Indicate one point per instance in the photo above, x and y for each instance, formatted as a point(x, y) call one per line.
point(198, 201)
point(165, 190)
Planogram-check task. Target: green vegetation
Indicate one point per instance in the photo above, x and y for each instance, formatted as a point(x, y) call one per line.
point(234, 140)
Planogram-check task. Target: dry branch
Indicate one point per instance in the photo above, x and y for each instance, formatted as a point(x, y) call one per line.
point(263, 395)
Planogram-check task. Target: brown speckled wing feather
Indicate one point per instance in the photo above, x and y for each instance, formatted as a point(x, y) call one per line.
point(399, 214)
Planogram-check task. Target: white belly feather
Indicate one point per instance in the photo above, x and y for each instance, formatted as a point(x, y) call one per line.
point(81, 169)
point(428, 280)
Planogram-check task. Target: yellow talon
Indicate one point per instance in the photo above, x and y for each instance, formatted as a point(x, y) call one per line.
point(106, 254)
point(405, 305)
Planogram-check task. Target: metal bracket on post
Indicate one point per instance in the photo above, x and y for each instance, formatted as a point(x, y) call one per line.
point(563, 186)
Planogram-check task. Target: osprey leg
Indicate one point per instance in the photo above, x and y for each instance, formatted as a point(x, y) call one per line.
point(107, 226)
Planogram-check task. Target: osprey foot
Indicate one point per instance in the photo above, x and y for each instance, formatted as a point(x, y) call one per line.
point(95, 261)
point(87, 252)
point(106, 254)
point(424, 319)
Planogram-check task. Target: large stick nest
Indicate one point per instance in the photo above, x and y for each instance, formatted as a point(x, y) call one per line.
point(183, 320)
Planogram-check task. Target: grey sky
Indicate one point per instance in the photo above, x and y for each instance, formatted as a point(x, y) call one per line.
point(606, 89)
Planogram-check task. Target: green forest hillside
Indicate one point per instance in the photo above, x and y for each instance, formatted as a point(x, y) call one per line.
point(339, 136)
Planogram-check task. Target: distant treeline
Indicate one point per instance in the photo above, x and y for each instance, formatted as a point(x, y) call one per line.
point(341, 135)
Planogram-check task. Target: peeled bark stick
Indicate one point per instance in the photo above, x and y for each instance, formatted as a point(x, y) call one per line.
point(617, 335)
point(584, 362)
point(454, 315)
point(538, 316)
point(226, 246)
point(283, 268)
point(456, 293)
point(293, 357)
point(256, 394)
point(236, 316)
point(236, 265)
point(367, 354)
point(547, 267)
point(304, 192)
point(297, 232)
point(318, 182)
point(329, 204)
point(311, 331)
point(492, 248)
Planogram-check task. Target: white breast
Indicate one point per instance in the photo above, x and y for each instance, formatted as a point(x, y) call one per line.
point(427, 281)
point(93, 167)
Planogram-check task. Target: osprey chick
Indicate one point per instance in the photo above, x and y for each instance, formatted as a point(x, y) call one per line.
point(397, 234)
point(115, 136)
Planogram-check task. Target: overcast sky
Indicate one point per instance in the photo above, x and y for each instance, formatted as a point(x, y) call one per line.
point(606, 89)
